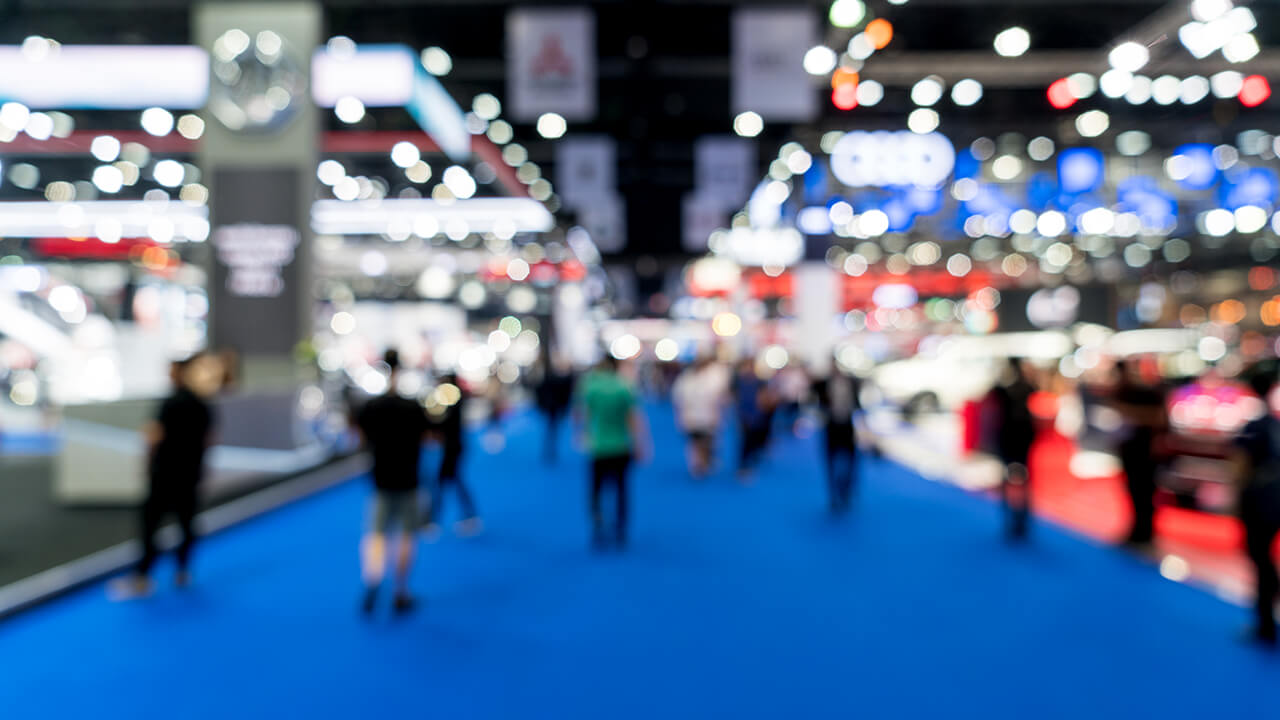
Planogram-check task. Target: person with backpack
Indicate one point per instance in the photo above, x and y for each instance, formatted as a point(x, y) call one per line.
point(1256, 460)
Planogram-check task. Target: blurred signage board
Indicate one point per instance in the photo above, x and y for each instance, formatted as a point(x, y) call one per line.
point(256, 280)
point(605, 219)
point(884, 159)
point(551, 63)
point(700, 216)
point(376, 75)
point(768, 63)
point(724, 169)
point(106, 77)
point(778, 247)
point(586, 168)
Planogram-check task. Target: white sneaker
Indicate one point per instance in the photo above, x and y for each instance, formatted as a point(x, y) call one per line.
point(470, 527)
point(130, 588)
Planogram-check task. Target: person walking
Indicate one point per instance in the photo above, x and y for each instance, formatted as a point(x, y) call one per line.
point(837, 397)
point(448, 428)
point(176, 443)
point(753, 401)
point(554, 395)
point(393, 429)
point(1142, 407)
point(700, 394)
point(616, 434)
point(1256, 460)
point(1014, 434)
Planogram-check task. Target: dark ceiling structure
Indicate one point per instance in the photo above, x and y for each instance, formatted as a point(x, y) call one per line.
point(664, 71)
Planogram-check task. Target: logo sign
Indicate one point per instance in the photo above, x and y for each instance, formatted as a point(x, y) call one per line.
point(768, 63)
point(780, 247)
point(883, 159)
point(551, 63)
point(255, 256)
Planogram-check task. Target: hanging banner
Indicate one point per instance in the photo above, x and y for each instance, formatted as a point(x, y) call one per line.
point(724, 169)
point(605, 219)
point(768, 63)
point(551, 63)
point(700, 217)
point(586, 168)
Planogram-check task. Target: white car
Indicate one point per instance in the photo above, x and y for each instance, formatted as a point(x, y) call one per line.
point(947, 371)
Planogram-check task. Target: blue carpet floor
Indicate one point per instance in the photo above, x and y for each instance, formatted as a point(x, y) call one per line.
point(732, 602)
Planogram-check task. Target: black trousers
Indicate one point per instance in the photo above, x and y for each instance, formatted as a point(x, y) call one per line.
point(610, 470)
point(165, 498)
point(551, 436)
point(1015, 495)
point(754, 439)
point(1260, 533)
point(842, 472)
point(449, 476)
point(1140, 480)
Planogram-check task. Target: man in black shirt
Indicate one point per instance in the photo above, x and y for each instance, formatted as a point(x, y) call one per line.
point(393, 428)
point(1257, 463)
point(176, 442)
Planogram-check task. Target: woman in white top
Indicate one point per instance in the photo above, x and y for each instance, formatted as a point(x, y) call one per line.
point(700, 394)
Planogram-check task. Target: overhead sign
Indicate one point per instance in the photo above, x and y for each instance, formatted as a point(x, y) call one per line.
point(700, 216)
point(884, 158)
point(107, 77)
point(586, 168)
point(606, 221)
point(551, 63)
point(768, 63)
point(724, 169)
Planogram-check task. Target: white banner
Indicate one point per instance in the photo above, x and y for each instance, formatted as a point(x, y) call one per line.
point(724, 169)
point(768, 63)
point(605, 219)
point(586, 168)
point(700, 217)
point(551, 63)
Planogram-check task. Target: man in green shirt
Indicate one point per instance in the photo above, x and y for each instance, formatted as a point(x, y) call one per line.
point(615, 429)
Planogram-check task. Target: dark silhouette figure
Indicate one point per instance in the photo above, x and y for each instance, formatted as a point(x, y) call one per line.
point(448, 427)
point(1014, 434)
point(393, 428)
point(1142, 407)
point(837, 397)
point(554, 396)
point(1257, 462)
point(176, 444)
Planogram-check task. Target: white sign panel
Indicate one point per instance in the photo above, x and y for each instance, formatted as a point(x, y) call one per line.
point(586, 168)
point(700, 217)
point(551, 63)
point(725, 169)
point(107, 77)
point(768, 63)
point(884, 158)
point(605, 219)
point(782, 247)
